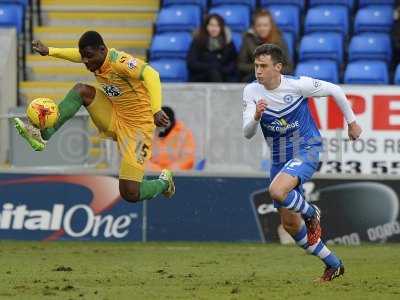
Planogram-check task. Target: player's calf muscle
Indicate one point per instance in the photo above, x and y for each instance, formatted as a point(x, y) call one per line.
point(291, 222)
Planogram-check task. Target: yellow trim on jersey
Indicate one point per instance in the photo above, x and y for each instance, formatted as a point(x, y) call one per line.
point(71, 54)
point(152, 82)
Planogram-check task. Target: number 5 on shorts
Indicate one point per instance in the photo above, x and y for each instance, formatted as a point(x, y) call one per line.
point(141, 152)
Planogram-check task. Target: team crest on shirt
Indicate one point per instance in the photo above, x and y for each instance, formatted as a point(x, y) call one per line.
point(316, 83)
point(132, 63)
point(244, 105)
point(288, 99)
point(111, 90)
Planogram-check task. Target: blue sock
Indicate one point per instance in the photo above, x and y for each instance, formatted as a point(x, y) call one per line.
point(319, 249)
point(332, 260)
point(295, 202)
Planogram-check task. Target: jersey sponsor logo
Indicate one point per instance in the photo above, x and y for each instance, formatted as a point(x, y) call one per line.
point(279, 122)
point(111, 90)
point(132, 63)
point(288, 99)
point(282, 126)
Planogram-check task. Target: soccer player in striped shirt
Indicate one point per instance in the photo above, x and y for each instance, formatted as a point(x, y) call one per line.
point(278, 104)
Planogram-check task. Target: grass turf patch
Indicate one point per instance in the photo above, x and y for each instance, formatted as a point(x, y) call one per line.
point(92, 270)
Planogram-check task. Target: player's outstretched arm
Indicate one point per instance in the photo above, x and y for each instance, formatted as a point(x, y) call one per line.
point(71, 54)
point(320, 88)
point(354, 130)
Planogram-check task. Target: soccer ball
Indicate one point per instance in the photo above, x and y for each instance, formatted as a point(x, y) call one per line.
point(42, 113)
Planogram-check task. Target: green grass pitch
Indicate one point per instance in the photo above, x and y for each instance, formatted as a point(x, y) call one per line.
point(93, 270)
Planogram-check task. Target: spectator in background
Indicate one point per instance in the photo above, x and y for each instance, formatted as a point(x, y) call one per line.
point(264, 30)
point(173, 146)
point(212, 54)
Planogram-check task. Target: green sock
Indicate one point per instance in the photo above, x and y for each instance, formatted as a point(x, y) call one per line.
point(67, 109)
point(152, 188)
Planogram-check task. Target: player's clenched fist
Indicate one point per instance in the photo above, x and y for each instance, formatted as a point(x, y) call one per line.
point(260, 108)
point(161, 119)
point(40, 48)
point(354, 131)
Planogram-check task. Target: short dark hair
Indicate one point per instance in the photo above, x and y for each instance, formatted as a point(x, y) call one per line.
point(91, 39)
point(274, 51)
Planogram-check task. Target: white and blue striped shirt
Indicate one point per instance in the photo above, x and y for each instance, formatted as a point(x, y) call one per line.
point(287, 124)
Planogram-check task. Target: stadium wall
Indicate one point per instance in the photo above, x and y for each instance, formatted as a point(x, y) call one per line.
point(357, 188)
point(8, 84)
point(206, 207)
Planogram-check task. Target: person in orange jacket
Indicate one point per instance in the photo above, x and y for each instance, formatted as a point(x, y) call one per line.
point(174, 146)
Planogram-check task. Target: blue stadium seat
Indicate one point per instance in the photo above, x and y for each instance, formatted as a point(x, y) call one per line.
point(327, 18)
point(12, 15)
point(366, 72)
point(287, 17)
point(298, 3)
point(201, 3)
point(397, 75)
point(170, 45)
point(290, 42)
point(321, 46)
point(374, 18)
point(250, 3)
point(178, 18)
point(237, 17)
point(327, 70)
point(171, 70)
point(375, 46)
point(21, 2)
point(363, 3)
point(348, 3)
point(237, 40)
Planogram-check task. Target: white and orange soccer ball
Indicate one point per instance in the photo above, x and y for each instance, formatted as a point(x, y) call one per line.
point(42, 113)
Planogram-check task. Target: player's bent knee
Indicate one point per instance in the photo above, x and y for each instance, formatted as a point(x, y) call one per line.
point(129, 190)
point(130, 196)
point(87, 92)
point(277, 193)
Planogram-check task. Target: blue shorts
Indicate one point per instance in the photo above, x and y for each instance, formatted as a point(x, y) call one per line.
point(303, 167)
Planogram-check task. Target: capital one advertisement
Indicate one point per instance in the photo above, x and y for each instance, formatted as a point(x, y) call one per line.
point(378, 150)
point(52, 207)
point(74, 207)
